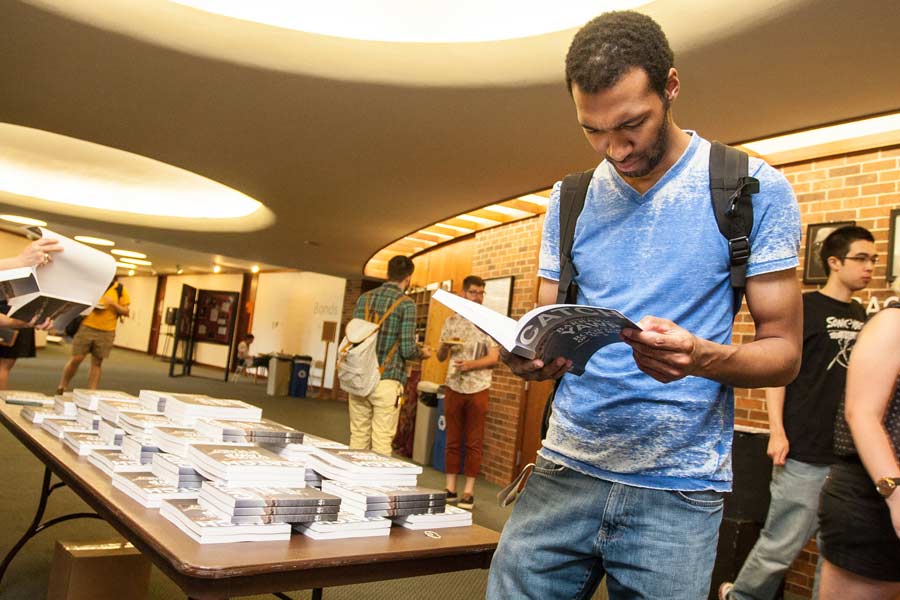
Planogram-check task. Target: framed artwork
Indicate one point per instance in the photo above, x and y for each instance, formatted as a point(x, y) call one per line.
point(893, 259)
point(447, 285)
point(813, 271)
point(498, 294)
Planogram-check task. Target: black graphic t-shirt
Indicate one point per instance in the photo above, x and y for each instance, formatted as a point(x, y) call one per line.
point(830, 328)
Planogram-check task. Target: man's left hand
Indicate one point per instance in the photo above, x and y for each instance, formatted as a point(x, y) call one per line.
point(663, 350)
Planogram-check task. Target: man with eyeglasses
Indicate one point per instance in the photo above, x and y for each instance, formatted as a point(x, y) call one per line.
point(801, 415)
point(473, 356)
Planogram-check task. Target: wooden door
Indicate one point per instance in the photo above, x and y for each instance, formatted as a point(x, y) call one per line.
point(536, 393)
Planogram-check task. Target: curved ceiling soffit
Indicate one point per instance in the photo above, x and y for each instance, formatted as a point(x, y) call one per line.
point(55, 174)
point(521, 62)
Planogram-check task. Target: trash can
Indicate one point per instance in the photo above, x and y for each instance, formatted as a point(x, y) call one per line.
point(440, 441)
point(426, 422)
point(279, 375)
point(300, 376)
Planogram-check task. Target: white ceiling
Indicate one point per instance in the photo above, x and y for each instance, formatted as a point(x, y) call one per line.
point(354, 144)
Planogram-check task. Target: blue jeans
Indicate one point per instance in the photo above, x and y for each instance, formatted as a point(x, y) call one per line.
point(568, 529)
point(791, 521)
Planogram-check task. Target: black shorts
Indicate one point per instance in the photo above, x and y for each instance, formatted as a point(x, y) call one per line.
point(855, 525)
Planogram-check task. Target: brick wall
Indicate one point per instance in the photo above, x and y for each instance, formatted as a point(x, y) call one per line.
point(499, 252)
point(861, 187)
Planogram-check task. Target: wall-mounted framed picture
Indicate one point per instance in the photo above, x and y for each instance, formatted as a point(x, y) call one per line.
point(893, 258)
point(498, 294)
point(813, 271)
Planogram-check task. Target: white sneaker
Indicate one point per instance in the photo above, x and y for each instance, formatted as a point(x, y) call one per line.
point(725, 590)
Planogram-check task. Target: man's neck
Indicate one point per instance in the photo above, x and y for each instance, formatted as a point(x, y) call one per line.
point(679, 140)
point(836, 290)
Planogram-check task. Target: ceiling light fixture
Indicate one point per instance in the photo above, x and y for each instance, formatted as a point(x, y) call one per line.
point(86, 239)
point(217, 269)
point(535, 199)
point(129, 253)
point(178, 270)
point(24, 220)
point(136, 261)
point(254, 269)
point(862, 134)
point(416, 21)
point(131, 272)
point(121, 265)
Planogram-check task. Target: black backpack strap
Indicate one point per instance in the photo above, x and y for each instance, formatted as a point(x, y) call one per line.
point(571, 201)
point(732, 189)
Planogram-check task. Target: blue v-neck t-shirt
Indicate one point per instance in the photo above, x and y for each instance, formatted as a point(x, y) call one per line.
point(658, 254)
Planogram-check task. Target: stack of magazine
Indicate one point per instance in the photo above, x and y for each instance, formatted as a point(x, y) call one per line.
point(258, 505)
point(38, 415)
point(245, 465)
point(83, 442)
point(149, 490)
point(153, 400)
point(110, 434)
point(112, 409)
point(346, 525)
point(257, 432)
point(90, 399)
point(210, 527)
point(453, 516)
point(141, 448)
point(362, 467)
point(176, 470)
point(65, 404)
point(27, 398)
point(187, 408)
point(59, 427)
point(88, 419)
point(113, 461)
point(143, 423)
point(386, 501)
point(177, 440)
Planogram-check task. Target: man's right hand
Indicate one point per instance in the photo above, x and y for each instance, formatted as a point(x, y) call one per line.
point(535, 369)
point(778, 448)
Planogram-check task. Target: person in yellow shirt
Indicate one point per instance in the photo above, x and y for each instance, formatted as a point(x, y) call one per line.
point(96, 335)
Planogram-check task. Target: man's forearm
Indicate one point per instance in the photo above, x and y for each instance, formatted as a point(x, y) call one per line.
point(768, 362)
point(775, 409)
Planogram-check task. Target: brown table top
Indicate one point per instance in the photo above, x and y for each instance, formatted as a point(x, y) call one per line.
point(222, 570)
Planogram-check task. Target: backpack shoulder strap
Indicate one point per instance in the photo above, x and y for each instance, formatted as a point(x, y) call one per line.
point(571, 201)
point(391, 309)
point(731, 189)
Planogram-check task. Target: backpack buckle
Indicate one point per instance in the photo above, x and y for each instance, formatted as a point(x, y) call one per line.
point(739, 250)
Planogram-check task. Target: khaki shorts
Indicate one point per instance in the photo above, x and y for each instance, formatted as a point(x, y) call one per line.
point(96, 342)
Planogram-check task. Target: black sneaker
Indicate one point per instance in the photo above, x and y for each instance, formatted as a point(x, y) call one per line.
point(452, 498)
point(467, 502)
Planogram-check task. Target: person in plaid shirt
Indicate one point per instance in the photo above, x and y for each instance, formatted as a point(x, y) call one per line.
point(373, 418)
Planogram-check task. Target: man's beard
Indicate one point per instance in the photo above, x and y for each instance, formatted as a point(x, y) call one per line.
point(657, 150)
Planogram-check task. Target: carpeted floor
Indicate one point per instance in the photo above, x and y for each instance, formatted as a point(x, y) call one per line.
point(21, 475)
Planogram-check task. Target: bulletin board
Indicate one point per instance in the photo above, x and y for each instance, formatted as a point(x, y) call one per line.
point(215, 317)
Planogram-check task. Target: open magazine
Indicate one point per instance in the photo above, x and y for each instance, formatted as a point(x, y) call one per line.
point(572, 331)
point(61, 290)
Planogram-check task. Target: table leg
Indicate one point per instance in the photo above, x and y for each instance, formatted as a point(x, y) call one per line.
point(316, 595)
point(36, 526)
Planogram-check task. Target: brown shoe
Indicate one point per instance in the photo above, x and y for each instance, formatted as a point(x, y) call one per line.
point(452, 498)
point(467, 502)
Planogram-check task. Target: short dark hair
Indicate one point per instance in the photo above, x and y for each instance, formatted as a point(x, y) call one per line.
point(472, 280)
point(838, 243)
point(250, 337)
point(610, 45)
point(400, 267)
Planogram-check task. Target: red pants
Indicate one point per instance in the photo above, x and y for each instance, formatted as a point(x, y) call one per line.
point(465, 414)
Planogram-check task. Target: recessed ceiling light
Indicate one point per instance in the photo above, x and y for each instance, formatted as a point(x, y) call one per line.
point(131, 272)
point(217, 269)
point(129, 253)
point(124, 266)
point(136, 261)
point(86, 239)
point(255, 268)
point(24, 220)
point(861, 134)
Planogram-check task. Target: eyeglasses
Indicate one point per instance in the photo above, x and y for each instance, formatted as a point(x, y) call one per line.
point(863, 258)
point(475, 292)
